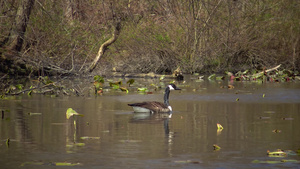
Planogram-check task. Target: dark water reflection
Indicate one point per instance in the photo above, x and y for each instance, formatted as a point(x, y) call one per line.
point(141, 141)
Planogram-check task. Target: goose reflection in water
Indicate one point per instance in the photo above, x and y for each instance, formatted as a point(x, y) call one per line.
point(152, 119)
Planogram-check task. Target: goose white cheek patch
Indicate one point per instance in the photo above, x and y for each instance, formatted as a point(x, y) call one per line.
point(171, 87)
point(170, 108)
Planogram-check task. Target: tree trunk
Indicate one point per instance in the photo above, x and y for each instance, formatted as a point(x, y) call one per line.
point(18, 30)
point(103, 47)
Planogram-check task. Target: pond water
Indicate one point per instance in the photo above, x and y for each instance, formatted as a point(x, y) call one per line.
point(41, 136)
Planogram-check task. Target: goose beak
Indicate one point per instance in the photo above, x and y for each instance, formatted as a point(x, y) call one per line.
point(177, 88)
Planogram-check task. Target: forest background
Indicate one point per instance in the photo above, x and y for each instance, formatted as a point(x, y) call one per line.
point(75, 36)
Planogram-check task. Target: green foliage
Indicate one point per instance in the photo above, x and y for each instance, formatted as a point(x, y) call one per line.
point(70, 112)
point(99, 79)
point(227, 35)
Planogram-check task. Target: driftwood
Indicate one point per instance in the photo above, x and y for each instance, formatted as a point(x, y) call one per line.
point(141, 75)
point(265, 71)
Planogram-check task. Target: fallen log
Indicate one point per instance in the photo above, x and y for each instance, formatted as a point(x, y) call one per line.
point(265, 71)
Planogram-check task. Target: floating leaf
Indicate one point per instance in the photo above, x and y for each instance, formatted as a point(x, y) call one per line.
point(237, 99)
point(32, 114)
point(211, 76)
point(124, 89)
point(142, 89)
point(290, 152)
point(264, 95)
point(130, 81)
point(50, 163)
point(266, 162)
point(162, 78)
point(70, 112)
point(277, 153)
point(66, 164)
point(7, 142)
point(115, 87)
point(219, 126)
point(289, 161)
point(79, 144)
point(216, 147)
point(276, 131)
point(87, 138)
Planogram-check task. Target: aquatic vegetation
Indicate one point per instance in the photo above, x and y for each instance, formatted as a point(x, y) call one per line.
point(216, 147)
point(70, 112)
point(50, 164)
point(212, 76)
point(89, 138)
point(130, 82)
point(276, 153)
point(187, 162)
point(275, 161)
point(142, 89)
point(220, 127)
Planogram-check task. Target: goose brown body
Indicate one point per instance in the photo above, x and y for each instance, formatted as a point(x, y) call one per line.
point(154, 106)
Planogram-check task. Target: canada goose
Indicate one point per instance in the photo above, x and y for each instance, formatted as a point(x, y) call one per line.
point(156, 107)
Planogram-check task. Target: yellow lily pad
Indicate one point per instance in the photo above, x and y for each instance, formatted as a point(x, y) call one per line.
point(70, 112)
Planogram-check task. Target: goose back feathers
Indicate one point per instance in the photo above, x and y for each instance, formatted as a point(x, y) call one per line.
point(154, 106)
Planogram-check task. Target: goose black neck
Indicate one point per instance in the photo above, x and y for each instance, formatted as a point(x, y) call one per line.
point(166, 96)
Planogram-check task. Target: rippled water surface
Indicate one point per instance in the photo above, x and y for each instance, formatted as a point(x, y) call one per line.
point(41, 136)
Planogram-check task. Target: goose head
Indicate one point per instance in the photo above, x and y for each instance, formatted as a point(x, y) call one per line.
point(172, 86)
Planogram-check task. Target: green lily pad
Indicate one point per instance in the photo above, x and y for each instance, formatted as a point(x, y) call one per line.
point(211, 76)
point(70, 112)
point(142, 89)
point(66, 164)
point(87, 138)
point(277, 153)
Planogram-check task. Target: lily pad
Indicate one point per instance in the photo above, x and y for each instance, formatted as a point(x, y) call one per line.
point(124, 89)
point(216, 147)
point(219, 126)
point(87, 138)
point(211, 76)
point(33, 114)
point(50, 163)
point(187, 161)
point(70, 112)
point(277, 153)
point(142, 89)
point(130, 81)
point(66, 164)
